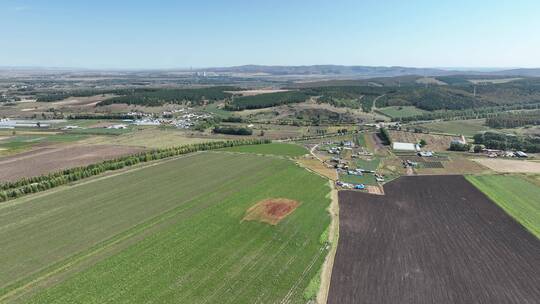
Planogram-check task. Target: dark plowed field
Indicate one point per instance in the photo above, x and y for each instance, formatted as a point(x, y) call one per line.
point(433, 239)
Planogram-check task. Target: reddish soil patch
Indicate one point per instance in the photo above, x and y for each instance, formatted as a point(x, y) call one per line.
point(271, 211)
point(431, 239)
point(54, 158)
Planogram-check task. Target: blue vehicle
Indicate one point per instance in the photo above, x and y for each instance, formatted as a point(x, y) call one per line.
point(359, 187)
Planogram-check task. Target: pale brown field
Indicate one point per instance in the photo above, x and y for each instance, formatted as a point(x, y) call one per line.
point(509, 166)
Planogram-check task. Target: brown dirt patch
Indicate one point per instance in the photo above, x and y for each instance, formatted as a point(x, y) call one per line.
point(271, 211)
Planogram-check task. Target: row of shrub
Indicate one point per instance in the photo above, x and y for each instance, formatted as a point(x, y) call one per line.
point(11, 190)
point(384, 136)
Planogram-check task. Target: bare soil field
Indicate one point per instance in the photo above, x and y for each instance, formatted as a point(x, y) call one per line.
point(509, 166)
point(54, 158)
point(433, 239)
point(434, 142)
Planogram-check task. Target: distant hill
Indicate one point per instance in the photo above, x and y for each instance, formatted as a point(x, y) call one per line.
point(364, 71)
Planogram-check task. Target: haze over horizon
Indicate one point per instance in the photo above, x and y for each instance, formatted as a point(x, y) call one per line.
point(200, 34)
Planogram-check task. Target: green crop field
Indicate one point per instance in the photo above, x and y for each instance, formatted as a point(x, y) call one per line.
point(19, 143)
point(517, 196)
point(291, 150)
point(401, 111)
point(171, 232)
point(368, 164)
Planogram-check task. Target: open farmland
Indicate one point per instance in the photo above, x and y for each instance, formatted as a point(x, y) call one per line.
point(291, 150)
point(517, 196)
point(509, 165)
point(401, 111)
point(54, 158)
point(432, 240)
point(170, 232)
point(458, 127)
point(27, 140)
point(150, 137)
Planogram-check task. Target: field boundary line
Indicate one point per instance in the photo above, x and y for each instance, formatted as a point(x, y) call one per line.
point(333, 238)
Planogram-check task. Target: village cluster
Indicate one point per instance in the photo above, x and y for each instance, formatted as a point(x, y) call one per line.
point(343, 158)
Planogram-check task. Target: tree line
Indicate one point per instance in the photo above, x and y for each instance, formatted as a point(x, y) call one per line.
point(384, 136)
point(233, 130)
point(113, 116)
point(514, 120)
point(492, 140)
point(24, 186)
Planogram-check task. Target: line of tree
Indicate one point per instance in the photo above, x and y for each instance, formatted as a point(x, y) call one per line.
point(514, 120)
point(384, 136)
point(24, 186)
point(457, 146)
point(91, 116)
point(266, 100)
point(493, 140)
point(233, 130)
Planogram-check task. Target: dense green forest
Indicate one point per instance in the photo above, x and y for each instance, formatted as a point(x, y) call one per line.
point(158, 97)
point(356, 97)
point(501, 141)
point(432, 98)
point(266, 100)
point(514, 119)
point(232, 130)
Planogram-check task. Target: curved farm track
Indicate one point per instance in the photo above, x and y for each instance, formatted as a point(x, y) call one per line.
point(433, 239)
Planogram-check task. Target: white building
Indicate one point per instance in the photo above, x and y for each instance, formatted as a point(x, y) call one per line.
point(405, 146)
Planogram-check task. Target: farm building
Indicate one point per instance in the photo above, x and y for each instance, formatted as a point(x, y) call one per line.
point(405, 146)
point(462, 140)
point(520, 154)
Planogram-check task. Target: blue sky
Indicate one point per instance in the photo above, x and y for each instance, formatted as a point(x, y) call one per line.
point(176, 34)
